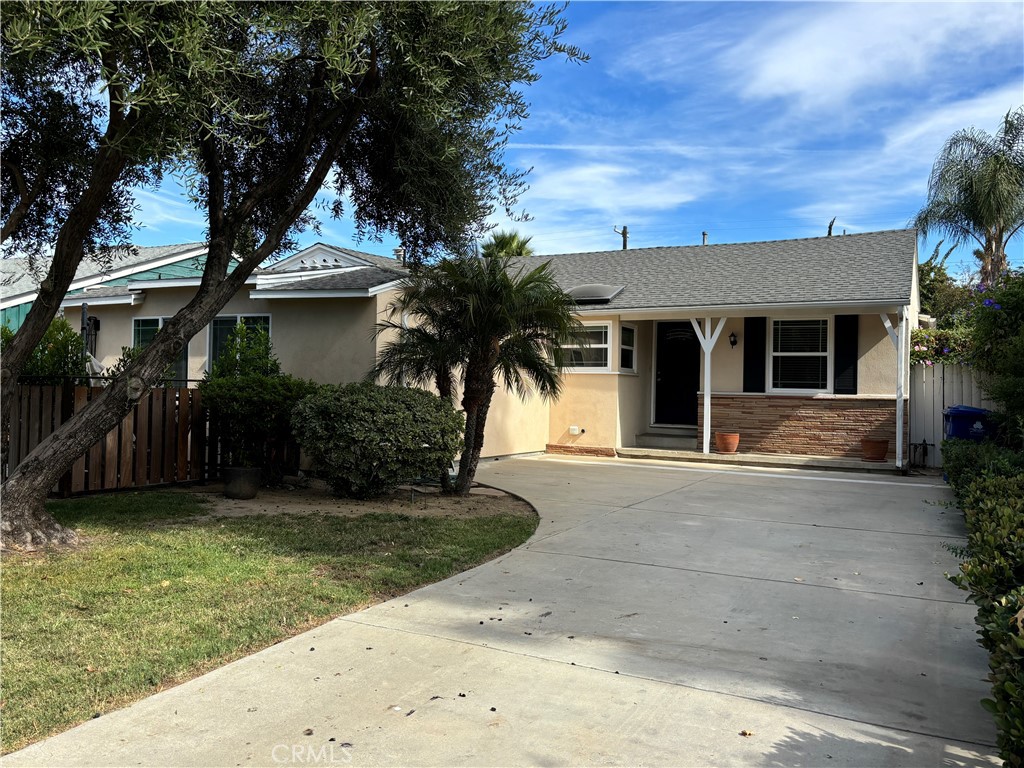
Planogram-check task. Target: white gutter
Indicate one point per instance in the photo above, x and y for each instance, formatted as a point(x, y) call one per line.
point(735, 310)
point(707, 344)
point(361, 293)
point(131, 299)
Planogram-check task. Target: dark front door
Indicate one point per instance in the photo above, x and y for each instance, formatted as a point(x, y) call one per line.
point(677, 374)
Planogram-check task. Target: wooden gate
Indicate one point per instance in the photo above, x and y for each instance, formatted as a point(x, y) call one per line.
point(161, 441)
point(934, 388)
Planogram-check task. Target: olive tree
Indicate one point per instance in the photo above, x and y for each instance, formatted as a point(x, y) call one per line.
point(401, 110)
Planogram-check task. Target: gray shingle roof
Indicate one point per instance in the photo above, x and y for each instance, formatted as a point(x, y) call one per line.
point(370, 258)
point(17, 278)
point(356, 280)
point(868, 267)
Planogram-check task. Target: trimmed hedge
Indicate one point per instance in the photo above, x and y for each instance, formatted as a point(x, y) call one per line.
point(989, 483)
point(365, 440)
point(964, 461)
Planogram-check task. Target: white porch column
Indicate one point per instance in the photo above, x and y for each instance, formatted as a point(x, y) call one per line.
point(707, 343)
point(899, 340)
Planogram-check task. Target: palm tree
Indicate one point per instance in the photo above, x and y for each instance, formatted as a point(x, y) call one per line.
point(482, 322)
point(976, 191)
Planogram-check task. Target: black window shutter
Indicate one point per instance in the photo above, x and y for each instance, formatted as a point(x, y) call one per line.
point(845, 370)
point(754, 345)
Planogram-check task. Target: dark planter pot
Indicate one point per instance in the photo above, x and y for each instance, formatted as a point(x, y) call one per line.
point(241, 482)
point(727, 442)
point(874, 450)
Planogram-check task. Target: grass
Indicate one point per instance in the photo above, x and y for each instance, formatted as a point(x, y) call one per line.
point(154, 598)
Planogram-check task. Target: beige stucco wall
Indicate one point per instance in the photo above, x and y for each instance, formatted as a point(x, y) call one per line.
point(515, 425)
point(635, 389)
point(327, 340)
point(876, 357)
point(589, 401)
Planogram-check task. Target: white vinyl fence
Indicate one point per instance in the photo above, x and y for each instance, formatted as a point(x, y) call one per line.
point(932, 390)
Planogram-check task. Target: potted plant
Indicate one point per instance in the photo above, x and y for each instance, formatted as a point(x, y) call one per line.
point(727, 442)
point(250, 403)
point(874, 449)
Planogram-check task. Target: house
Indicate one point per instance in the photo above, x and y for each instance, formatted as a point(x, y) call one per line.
point(801, 343)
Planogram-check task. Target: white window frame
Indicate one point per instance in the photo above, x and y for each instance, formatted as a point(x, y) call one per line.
point(237, 316)
point(771, 354)
point(608, 347)
point(622, 345)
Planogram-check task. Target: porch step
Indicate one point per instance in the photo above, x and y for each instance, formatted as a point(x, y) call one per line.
point(759, 459)
point(673, 442)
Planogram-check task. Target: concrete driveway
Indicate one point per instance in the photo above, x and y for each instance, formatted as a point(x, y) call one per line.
point(660, 613)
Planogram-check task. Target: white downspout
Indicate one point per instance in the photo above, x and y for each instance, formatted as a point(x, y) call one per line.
point(707, 344)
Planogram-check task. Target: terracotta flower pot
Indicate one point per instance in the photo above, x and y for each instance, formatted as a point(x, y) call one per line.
point(874, 449)
point(727, 442)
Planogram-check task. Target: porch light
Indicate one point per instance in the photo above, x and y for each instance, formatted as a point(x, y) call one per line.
point(733, 339)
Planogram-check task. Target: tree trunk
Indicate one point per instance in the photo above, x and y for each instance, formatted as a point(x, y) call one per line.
point(25, 524)
point(476, 420)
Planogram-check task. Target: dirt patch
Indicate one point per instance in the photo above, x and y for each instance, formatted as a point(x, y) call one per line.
point(315, 498)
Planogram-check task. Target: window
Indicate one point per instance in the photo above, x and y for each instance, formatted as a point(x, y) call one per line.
point(594, 355)
point(223, 325)
point(144, 329)
point(627, 349)
point(800, 355)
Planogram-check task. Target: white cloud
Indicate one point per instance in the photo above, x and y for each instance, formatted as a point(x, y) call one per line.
point(167, 207)
point(823, 55)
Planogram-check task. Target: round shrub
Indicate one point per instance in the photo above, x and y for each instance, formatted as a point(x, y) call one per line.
point(365, 439)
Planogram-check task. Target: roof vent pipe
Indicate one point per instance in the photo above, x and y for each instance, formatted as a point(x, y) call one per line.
point(399, 253)
point(704, 238)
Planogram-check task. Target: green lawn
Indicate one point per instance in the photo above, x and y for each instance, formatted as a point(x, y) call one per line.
point(153, 598)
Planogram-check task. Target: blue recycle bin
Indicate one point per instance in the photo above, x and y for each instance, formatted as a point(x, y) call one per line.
point(966, 422)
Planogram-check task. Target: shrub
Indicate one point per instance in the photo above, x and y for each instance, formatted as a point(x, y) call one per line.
point(964, 461)
point(366, 439)
point(57, 359)
point(993, 575)
point(998, 341)
point(951, 346)
point(251, 401)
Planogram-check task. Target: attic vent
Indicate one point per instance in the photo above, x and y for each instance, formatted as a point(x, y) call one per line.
point(595, 293)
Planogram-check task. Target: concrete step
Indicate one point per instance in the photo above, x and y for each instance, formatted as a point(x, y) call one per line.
point(674, 442)
point(759, 459)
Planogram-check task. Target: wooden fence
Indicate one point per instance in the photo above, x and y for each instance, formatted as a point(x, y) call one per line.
point(933, 389)
point(161, 441)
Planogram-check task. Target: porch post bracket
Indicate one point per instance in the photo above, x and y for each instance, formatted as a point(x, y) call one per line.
point(707, 344)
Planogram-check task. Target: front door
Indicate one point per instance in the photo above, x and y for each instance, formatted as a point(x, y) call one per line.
point(676, 374)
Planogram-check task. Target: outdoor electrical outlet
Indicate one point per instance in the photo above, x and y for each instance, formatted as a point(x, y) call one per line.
point(574, 430)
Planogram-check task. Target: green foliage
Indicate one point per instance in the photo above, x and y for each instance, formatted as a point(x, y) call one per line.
point(492, 321)
point(998, 339)
point(247, 352)
point(58, 358)
point(993, 575)
point(250, 402)
point(965, 460)
point(365, 440)
point(943, 345)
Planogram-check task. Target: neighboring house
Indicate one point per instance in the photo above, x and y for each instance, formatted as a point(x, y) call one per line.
point(796, 340)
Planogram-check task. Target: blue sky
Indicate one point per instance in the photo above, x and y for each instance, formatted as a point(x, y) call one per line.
point(751, 121)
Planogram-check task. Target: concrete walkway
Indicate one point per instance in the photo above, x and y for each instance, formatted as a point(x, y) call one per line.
point(662, 615)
